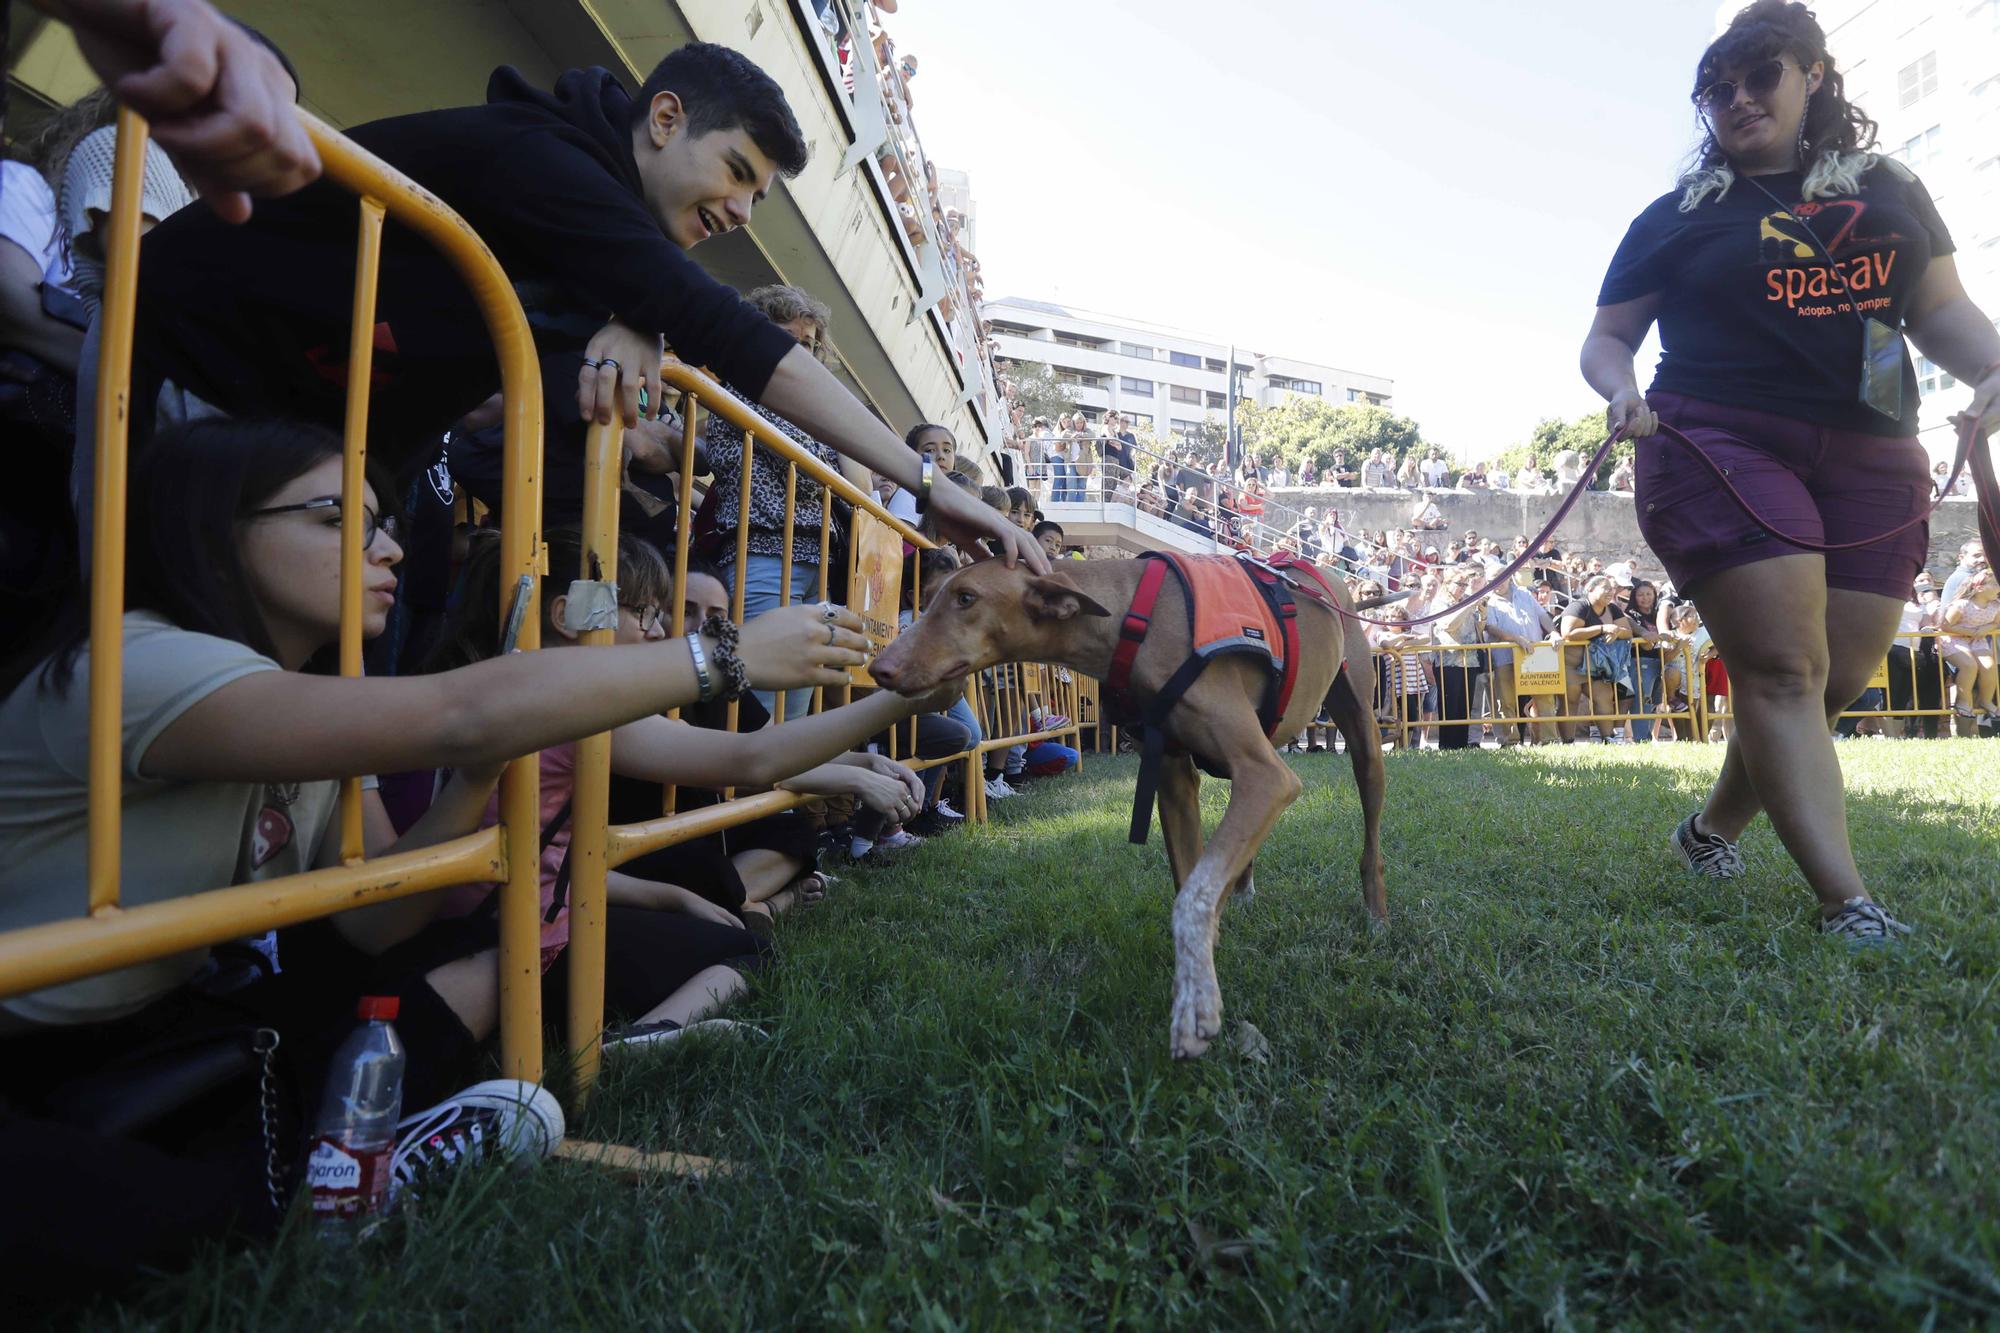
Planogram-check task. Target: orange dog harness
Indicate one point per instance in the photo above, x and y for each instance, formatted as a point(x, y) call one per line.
point(1235, 605)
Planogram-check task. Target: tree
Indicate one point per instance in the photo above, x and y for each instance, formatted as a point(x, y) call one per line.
point(1553, 435)
point(1206, 440)
point(1038, 391)
point(1311, 427)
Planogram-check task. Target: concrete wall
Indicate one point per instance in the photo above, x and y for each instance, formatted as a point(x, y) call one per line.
point(1602, 523)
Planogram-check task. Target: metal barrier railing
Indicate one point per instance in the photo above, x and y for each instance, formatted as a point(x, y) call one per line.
point(1009, 699)
point(112, 936)
point(597, 846)
point(1577, 700)
point(1230, 519)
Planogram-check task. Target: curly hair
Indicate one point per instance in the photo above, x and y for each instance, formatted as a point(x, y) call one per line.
point(1838, 134)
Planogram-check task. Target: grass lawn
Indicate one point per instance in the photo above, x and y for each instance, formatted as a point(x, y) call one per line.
point(1572, 1086)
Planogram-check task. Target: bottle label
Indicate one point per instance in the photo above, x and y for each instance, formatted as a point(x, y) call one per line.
point(347, 1183)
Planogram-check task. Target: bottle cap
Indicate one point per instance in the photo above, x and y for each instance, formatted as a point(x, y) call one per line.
point(381, 1007)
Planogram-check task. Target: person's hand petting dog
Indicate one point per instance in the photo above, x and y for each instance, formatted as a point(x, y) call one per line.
point(799, 646)
point(964, 520)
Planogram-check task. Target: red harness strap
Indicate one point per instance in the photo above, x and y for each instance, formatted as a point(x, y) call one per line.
point(1289, 563)
point(1138, 620)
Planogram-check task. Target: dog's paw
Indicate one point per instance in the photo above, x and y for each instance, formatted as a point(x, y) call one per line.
point(1186, 1039)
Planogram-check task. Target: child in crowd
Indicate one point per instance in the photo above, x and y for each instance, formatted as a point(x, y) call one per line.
point(1970, 623)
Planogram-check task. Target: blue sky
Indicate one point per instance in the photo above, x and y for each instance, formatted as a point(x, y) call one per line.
point(1428, 191)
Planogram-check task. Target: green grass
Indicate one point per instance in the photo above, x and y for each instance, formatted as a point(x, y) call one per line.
point(1571, 1086)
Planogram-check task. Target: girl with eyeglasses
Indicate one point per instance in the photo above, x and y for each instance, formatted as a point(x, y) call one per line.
point(1784, 269)
point(234, 736)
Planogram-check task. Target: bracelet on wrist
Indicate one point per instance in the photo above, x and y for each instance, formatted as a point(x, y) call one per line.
point(926, 474)
point(702, 679)
point(735, 677)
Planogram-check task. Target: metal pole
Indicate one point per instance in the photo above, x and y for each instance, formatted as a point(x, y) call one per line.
point(1229, 451)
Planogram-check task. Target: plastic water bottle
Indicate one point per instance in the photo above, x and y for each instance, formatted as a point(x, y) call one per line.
point(355, 1134)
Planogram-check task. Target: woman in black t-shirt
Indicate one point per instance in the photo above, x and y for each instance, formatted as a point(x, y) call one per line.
point(1778, 259)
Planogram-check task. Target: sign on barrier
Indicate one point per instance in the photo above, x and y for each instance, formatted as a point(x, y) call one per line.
point(1538, 670)
point(875, 593)
point(1880, 680)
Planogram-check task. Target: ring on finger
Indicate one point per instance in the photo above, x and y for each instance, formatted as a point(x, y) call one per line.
point(829, 612)
point(608, 361)
point(832, 636)
point(591, 363)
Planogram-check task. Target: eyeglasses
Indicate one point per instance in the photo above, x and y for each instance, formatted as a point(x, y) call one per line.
point(650, 618)
point(371, 523)
point(1762, 81)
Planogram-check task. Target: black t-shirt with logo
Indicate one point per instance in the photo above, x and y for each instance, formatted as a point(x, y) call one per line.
point(1752, 314)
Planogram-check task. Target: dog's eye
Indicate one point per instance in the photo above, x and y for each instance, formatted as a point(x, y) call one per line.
point(967, 597)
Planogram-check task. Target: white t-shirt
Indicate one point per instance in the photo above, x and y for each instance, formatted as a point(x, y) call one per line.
point(1434, 471)
point(28, 215)
point(180, 838)
point(1974, 621)
point(903, 505)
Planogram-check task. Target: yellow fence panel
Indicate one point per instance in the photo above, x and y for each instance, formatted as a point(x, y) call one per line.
point(105, 936)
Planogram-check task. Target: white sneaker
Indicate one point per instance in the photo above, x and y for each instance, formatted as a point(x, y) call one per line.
point(943, 809)
point(500, 1118)
point(998, 790)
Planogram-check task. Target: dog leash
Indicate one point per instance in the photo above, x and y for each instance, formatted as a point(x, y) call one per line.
point(1972, 452)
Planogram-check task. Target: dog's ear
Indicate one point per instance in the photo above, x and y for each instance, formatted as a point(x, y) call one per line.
point(1053, 597)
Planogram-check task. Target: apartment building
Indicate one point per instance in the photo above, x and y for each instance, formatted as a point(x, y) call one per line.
point(1928, 73)
point(1166, 381)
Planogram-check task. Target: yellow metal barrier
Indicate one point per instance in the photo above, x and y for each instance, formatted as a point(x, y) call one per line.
point(111, 936)
point(598, 847)
point(1582, 702)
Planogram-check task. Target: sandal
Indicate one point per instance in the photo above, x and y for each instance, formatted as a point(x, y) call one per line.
point(809, 890)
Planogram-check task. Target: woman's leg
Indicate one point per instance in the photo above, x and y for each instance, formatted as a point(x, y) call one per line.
point(700, 996)
point(1798, 653)
point(1649, 696)
point(1454, 691)
point(1984, 680)
point(1961, 674)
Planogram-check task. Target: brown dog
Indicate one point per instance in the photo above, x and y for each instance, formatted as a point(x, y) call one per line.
point(987, 614)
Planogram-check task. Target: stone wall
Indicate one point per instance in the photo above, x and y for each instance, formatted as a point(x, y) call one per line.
point(1602, 524)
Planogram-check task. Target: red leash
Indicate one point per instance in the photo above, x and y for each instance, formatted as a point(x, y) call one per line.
point(1972, 451)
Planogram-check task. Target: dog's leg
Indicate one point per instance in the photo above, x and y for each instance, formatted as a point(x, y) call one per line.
point(1180, 814)
point(1260, 789)
point(1364, 748)
point(1246, 887)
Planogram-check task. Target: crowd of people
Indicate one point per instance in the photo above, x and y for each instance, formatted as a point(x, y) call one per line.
point(237, 733)
point(1638, 666)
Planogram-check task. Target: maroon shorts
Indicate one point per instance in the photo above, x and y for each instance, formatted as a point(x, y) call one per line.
point(1812, 482)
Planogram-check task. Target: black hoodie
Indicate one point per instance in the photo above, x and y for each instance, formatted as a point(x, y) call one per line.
point(255, 318)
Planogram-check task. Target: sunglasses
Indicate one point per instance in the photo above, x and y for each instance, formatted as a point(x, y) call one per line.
point(1762, 81)
point(370, 522)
